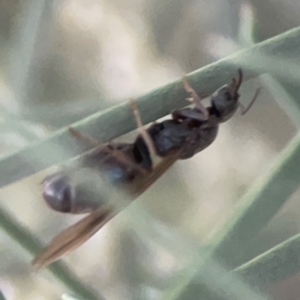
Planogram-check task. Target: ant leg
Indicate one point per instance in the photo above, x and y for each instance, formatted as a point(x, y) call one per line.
point(111, 150)
point(236, 83)
point(195, 98)
point(80, 136)
point(244, 109)
point(143, 132)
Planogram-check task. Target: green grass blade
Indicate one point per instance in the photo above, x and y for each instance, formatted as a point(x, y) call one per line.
point(216, 282)
point(279, 263)
point(259, 205)
point(2, 296)
point(153, 105)
point(284, 99)
point(23, 45)
point(257, 208)
point(27, 241)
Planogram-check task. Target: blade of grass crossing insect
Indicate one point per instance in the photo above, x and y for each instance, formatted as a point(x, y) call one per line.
point(25, 239)
point(156, 104)
point(257, 208)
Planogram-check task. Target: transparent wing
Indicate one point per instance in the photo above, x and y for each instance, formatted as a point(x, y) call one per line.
point(144, 182)
point(75, 235)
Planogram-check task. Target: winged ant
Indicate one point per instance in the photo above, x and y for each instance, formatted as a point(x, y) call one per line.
point(130, 165)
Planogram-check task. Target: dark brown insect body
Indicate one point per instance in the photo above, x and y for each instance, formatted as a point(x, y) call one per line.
point(189, 131)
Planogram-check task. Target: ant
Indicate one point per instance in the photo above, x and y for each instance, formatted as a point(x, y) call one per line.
point(130, 165)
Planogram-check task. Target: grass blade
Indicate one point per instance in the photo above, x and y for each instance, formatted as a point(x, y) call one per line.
point(153, 105)
point(257, 208)
point(277, 264)
point(27, 241)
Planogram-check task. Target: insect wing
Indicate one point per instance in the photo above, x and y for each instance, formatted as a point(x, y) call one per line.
point(141, 184)
point(75, 235)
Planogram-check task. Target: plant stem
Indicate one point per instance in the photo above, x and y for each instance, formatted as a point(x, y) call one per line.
point(27, 241)
point(256, 209)
point(277, 264)
point(154, 105)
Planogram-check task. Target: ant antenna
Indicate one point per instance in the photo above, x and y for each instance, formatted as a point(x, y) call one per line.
point(236, 83)
point(244, 110)
point(240, 80)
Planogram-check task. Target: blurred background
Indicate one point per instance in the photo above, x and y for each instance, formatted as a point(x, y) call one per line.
point(62, 60)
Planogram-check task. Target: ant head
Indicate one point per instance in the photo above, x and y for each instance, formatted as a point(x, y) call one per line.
point(226, 100)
